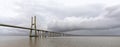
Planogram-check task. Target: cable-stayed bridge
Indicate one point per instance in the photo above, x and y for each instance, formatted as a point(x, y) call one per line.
point(34, 32)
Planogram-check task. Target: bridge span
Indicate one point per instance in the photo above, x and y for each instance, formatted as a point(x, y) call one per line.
point(37, 32)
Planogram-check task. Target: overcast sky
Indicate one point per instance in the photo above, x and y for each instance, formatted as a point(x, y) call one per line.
point(80, 17)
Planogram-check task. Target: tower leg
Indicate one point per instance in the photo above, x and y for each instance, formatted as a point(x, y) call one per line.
point(30, 33)
point(38, 33)
point(33, 26)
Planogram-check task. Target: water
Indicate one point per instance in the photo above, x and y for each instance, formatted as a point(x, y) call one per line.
point(25, 41)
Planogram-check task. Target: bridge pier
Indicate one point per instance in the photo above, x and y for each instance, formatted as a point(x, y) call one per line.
point(44, 35)
point(41, 34)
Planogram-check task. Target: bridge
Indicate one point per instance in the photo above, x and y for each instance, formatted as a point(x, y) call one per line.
point(34, 32)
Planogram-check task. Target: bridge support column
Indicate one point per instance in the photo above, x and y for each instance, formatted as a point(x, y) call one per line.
point(50, 34)
point(33, 26)
point(53, 34)
point(38, 33)
point(62, 34)
point(44, 34)
point(41, 34)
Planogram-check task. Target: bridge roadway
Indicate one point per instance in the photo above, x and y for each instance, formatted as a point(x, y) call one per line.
point(5, 25)
point(13, 26)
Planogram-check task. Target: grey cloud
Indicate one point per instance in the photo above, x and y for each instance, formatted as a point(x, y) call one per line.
point(56, 17)
point(95, 32)
point(105, 22)
point(79, 18)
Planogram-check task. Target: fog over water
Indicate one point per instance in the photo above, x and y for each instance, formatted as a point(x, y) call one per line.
point(80, 17)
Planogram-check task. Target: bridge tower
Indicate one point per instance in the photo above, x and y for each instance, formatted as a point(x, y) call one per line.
point(33, 26)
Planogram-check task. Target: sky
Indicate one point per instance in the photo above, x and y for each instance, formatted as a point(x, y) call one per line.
point(79, 17)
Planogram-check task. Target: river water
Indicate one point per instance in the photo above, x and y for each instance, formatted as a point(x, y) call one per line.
point(25, 41)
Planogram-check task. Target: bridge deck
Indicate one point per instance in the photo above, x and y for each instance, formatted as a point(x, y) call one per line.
point(5, 25)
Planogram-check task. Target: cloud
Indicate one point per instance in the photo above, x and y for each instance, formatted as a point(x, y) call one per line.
point(95, 32)
point(88, 21)
point(64, 15)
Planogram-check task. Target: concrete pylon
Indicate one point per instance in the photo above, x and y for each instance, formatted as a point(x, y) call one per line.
point(33, 26)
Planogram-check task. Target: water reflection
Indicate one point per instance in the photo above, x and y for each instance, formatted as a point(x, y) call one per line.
point(60, 42)
point(33, 41)
point(37, 42)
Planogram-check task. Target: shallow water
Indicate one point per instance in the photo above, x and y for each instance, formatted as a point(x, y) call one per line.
point(25, 41)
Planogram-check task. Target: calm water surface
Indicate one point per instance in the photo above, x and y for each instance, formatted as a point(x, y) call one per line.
point(25, 41)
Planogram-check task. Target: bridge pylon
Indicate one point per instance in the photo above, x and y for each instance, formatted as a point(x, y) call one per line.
point(33, 26)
